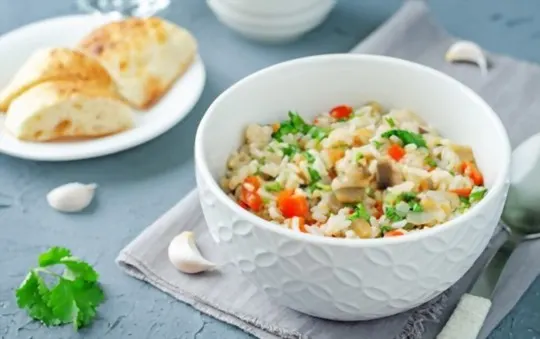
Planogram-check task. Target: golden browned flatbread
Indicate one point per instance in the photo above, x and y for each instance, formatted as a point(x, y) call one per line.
point(143, 55)
point(52, 64)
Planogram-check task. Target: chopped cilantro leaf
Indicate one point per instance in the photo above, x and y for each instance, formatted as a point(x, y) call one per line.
point(407, 196)
point(319, 133)
point(314, 175)
point(477, 194)
point(406, 137)
point(310, 158)
point(360, 212)
point(416, 207)
point(384, 229)
point(323, 187)
point(430, 162)
point(298, 123)
point(392, 214)
point(290, 150)
point(273, 187)
point(391, 122)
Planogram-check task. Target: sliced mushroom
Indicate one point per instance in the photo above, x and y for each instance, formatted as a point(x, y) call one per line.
point(387, 175)
point(465, 153)
point(349, 195)
point(334, 204)
point(362, 228)
point(350, 187)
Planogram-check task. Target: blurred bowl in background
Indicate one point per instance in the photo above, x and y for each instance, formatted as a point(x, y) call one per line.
point(274, 21)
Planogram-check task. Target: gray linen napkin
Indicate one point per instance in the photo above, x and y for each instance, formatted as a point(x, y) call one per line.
point(510, 88)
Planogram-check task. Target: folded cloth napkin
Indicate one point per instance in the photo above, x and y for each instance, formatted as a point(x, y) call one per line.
point(510, 87)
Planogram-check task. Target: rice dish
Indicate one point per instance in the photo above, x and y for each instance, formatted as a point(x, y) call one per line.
point(363, 172)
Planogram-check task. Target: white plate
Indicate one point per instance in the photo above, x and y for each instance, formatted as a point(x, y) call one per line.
point(66, 31)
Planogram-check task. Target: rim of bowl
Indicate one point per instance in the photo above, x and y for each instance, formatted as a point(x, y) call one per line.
point(206, 176)
point(274, 21)
point(284, 15)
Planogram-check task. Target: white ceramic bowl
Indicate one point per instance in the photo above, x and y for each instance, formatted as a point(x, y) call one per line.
point(350, 279)
point(270, 21)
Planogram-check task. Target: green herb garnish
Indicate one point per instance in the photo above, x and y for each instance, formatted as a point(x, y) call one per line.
point(359, 156)
point(477, 194)
point(377, 144)
point(295, 124)
point(385, 229)
point(309, 157)
point(406, 137)
point(416, 207)
point(392, 214)
point(407, 196)
point(360, 212)
point(273, 187)
point(291, 150)
point(73, 298)
point(314, 175)
point(391, 122)
point(319, 133)
point(430, 162)
point(323, 187)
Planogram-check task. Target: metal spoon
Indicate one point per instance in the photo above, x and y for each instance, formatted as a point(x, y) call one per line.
point(521, 220)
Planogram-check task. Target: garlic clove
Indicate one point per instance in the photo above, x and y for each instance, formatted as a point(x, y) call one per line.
point(185, 256)
point(467, 51)
point(72, 197)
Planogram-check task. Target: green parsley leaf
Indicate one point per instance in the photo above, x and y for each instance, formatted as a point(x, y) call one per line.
point(416, 207)
point(359, 156)
point(80, 269)
point(298, 123)
point(477, 194)
point(406, 137)
point(273, 187)
point(452, 173)
point(53, 256)
point(291, 150)
point(386, 228)
point(319, 133)
point(323, 187)
point(314, 175)
point(360, 212)
point(310, 158)
point(430, 162)
point(392, 214)
point(32, 295)
point(73, 299)
point(391, 122)
point(407, 196)
point(377, 144)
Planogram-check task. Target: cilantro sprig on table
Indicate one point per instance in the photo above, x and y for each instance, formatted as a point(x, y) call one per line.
point(73, 298)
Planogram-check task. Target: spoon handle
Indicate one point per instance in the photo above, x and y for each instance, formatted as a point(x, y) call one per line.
point(467, 319)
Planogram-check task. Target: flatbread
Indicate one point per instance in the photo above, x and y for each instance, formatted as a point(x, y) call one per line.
point(51, 64)
point(58, 110)
point(143, 55)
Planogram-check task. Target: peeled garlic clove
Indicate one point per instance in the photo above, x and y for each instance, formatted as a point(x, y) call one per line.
point(72, 197)
point(467, 51)
point(185, 256)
